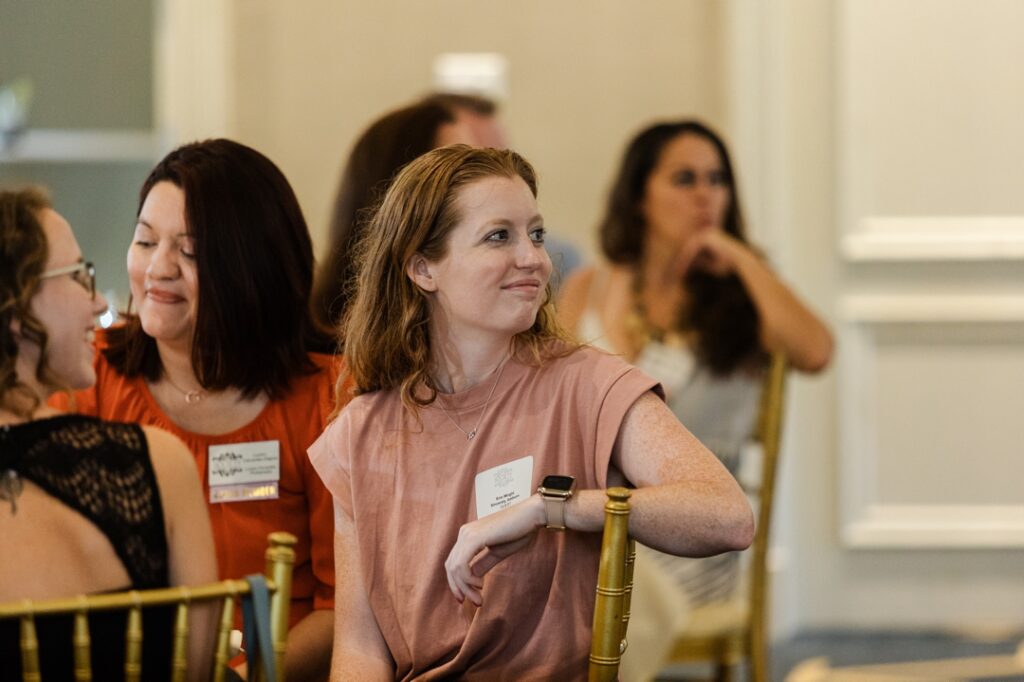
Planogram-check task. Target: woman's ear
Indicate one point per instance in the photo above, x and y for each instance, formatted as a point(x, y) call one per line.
point(418, 270)
point(15, 326)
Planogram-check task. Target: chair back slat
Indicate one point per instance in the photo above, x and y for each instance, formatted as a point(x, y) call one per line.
point(82, 642)
point(280, 561)
point(29, 648)
point(769, 434)
point(608, 638)
point(227, 621)
point(628, 597)
point(179, 655)
point(133, 642)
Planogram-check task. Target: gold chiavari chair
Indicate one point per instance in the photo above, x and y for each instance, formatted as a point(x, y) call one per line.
point(280, 560)
point(726, 634)
point(614, 586)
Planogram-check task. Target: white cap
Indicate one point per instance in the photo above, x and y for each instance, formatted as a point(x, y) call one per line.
point(472, 73)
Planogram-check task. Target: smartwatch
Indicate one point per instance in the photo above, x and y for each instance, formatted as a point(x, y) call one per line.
point(556, 490)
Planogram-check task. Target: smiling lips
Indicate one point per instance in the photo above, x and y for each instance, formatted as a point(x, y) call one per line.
point(524, 286)
point(162, 296)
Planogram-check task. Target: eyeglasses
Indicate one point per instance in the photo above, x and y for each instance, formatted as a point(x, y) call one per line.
point(83, 273)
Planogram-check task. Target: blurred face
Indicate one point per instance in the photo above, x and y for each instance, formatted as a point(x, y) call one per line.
point(493, 277)
point(65, 306)
point(486, 130)
point(687, 191)
point(472, 128)
point(162, 269)
point(456, 132)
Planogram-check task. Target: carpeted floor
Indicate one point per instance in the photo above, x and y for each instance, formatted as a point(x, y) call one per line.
point(854, 647)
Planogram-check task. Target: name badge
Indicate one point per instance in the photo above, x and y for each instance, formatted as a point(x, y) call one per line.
point(504, 485)
point(238, 472)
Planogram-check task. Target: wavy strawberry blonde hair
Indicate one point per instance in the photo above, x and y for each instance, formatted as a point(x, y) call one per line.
point(386, 331)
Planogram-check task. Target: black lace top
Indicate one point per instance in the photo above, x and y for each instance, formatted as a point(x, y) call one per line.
point(103, 471)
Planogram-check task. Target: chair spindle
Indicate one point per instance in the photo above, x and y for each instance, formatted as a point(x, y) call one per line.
point(179, 656)
point(82, 642)
point(29, 649)
point(227, 621)
point(133, 642)
point(608, 638)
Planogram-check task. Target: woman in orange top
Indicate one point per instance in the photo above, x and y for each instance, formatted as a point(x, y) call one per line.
point(217, 352)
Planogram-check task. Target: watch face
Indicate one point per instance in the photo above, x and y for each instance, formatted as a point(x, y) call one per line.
point(558, 482)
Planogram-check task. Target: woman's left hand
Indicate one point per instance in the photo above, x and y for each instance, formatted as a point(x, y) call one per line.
point(786, 324)
point(483, 543)
point(713, 251)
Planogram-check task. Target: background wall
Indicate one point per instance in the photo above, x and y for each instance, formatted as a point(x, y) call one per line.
point(583, 76)
point(90, 139)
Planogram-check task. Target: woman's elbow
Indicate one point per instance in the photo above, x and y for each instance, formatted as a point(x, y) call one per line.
point(739, 531)
point(817, 355)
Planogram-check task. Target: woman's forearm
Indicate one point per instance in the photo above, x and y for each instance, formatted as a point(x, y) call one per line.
point(309, 647)
point(685, 519)
point(786, 323)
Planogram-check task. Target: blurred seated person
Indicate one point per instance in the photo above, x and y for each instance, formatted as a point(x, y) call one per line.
point(218, 352)
point(86, 506)
point(687, 299)
point(388, 144)
point(449, 565)
point(478, 115)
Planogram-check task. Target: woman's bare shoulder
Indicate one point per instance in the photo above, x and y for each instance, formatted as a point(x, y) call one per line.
point(170, 456)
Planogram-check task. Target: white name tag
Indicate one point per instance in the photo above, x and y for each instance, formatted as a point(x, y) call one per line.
point(244, 471)
point(503, 485)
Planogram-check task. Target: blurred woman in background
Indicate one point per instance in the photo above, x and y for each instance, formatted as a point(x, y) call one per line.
point(379, 153)
point(687, 299)
point(389, 143)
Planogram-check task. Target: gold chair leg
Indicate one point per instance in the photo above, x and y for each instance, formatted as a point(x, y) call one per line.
point(759, 664)
point(725, 672)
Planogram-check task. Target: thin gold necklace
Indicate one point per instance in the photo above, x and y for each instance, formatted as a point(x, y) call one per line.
point(191, 397)
point(470, 435)
point(641, 330)
point(11, 484)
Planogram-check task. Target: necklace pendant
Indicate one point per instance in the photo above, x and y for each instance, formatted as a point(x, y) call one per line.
point(10, 488)
point(193, 397)
point(471, 435)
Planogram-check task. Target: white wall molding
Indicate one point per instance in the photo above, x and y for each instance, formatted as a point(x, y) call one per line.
point(936, 526)
point(936, 238)
point(866, 521)
point(88, 146)
point(914, 308)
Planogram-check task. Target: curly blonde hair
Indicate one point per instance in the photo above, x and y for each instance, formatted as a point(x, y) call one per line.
point(386, 331)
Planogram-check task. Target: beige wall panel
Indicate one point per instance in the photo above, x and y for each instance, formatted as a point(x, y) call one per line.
point(936, 99)
point(923, 95)
point(931, 381)
point(583, 76)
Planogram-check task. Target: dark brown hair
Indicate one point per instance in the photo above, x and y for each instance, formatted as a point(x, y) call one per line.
point(254, 261)
point(478, 104)
point(388, 144)
point(720, 310)
point(23, 254)
point(387, 328)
